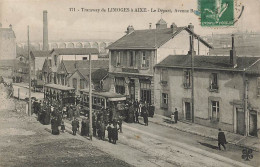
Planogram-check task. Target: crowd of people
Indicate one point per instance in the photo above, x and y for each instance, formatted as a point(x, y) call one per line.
point(55, 115)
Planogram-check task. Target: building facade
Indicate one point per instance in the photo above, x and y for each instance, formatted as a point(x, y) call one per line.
point(226, 93)
point(132, 57)
point(7, 43)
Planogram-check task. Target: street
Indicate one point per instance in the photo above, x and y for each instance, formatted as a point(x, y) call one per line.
point(26, 142)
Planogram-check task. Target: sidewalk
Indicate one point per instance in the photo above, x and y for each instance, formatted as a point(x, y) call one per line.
point(242, 141)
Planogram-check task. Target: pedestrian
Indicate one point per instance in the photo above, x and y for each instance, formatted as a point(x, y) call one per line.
point(102, 131)
point(120, 119)
point(98, 126)
point(74, 124)
point(145, 116)
point(83, 127)
point(114, 134)
point(94, 125)
point(131, 113)
point(221, 139)
point(62, 126)
point(137, 115)
point(109, 132)
point(54, 126)
point(172, 118)
point(176, 115)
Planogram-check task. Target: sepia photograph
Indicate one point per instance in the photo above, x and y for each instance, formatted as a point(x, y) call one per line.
point(129, 83)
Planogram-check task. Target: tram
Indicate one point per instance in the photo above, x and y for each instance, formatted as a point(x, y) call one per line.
point(59, 94)
point(109, 101)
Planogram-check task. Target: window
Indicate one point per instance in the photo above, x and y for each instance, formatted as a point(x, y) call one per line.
point(164, 100)
point(258, 86)
point(84, 58)
point(82, 84)
point(187, 79)
point(214, 81)
point(145, 86)
point(145, 59)
point(131, 58)
point(74, 84)
point(120, 85)
point(215, 110)
point(118, 58)
point(164, 76)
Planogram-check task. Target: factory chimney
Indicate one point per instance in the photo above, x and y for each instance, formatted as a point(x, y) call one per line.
point(45, 31)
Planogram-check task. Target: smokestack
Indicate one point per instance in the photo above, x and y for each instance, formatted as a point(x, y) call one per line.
point(233, 56)
point(45, 31)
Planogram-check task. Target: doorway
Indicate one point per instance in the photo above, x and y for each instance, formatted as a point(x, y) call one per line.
point(240, 121)
point(253, 123)
point(187, 106)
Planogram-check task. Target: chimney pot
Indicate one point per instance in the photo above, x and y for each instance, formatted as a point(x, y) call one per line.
point(191, 27)
point(130, 29)
point(150, 25)
point(233, 56)
point(173, 27)
point(10, 26)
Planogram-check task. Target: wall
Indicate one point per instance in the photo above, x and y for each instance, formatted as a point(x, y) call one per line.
point(230, 89)
point(7, 45)
point(254, 98)
point(78, 77)
point(180, 45)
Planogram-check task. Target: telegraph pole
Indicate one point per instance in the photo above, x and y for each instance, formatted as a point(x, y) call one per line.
point(192, 77)
point(90, 100)
point(29, 56)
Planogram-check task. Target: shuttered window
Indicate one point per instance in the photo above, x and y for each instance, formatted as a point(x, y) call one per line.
point(187, 78)
point(164, 75)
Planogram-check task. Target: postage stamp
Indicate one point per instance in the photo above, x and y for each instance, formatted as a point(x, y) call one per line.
point(217, 12)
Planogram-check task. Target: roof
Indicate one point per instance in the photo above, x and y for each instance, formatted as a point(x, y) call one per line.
point(59, 87)
point(104, 94)
point(75, 51)
point(150, 39)
point(99, 74)
point(84, 64)
point(161, 21)
point(207, 62)
point(40, 53)
point(8, 31)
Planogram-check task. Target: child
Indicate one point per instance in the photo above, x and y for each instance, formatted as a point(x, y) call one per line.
point(62, 126)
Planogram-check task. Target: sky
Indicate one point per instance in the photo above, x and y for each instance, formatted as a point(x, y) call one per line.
point(65, 25)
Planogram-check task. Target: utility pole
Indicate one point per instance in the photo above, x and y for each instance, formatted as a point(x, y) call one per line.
point(90, 100)
point(192, 76)
point(29, 56)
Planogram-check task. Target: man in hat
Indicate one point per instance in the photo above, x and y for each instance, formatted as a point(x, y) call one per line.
point(175, 115)
point(109, 132)
point(221, 139)
point(74, 124)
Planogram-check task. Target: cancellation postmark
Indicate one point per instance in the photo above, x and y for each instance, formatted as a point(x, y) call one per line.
point(215, 13)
